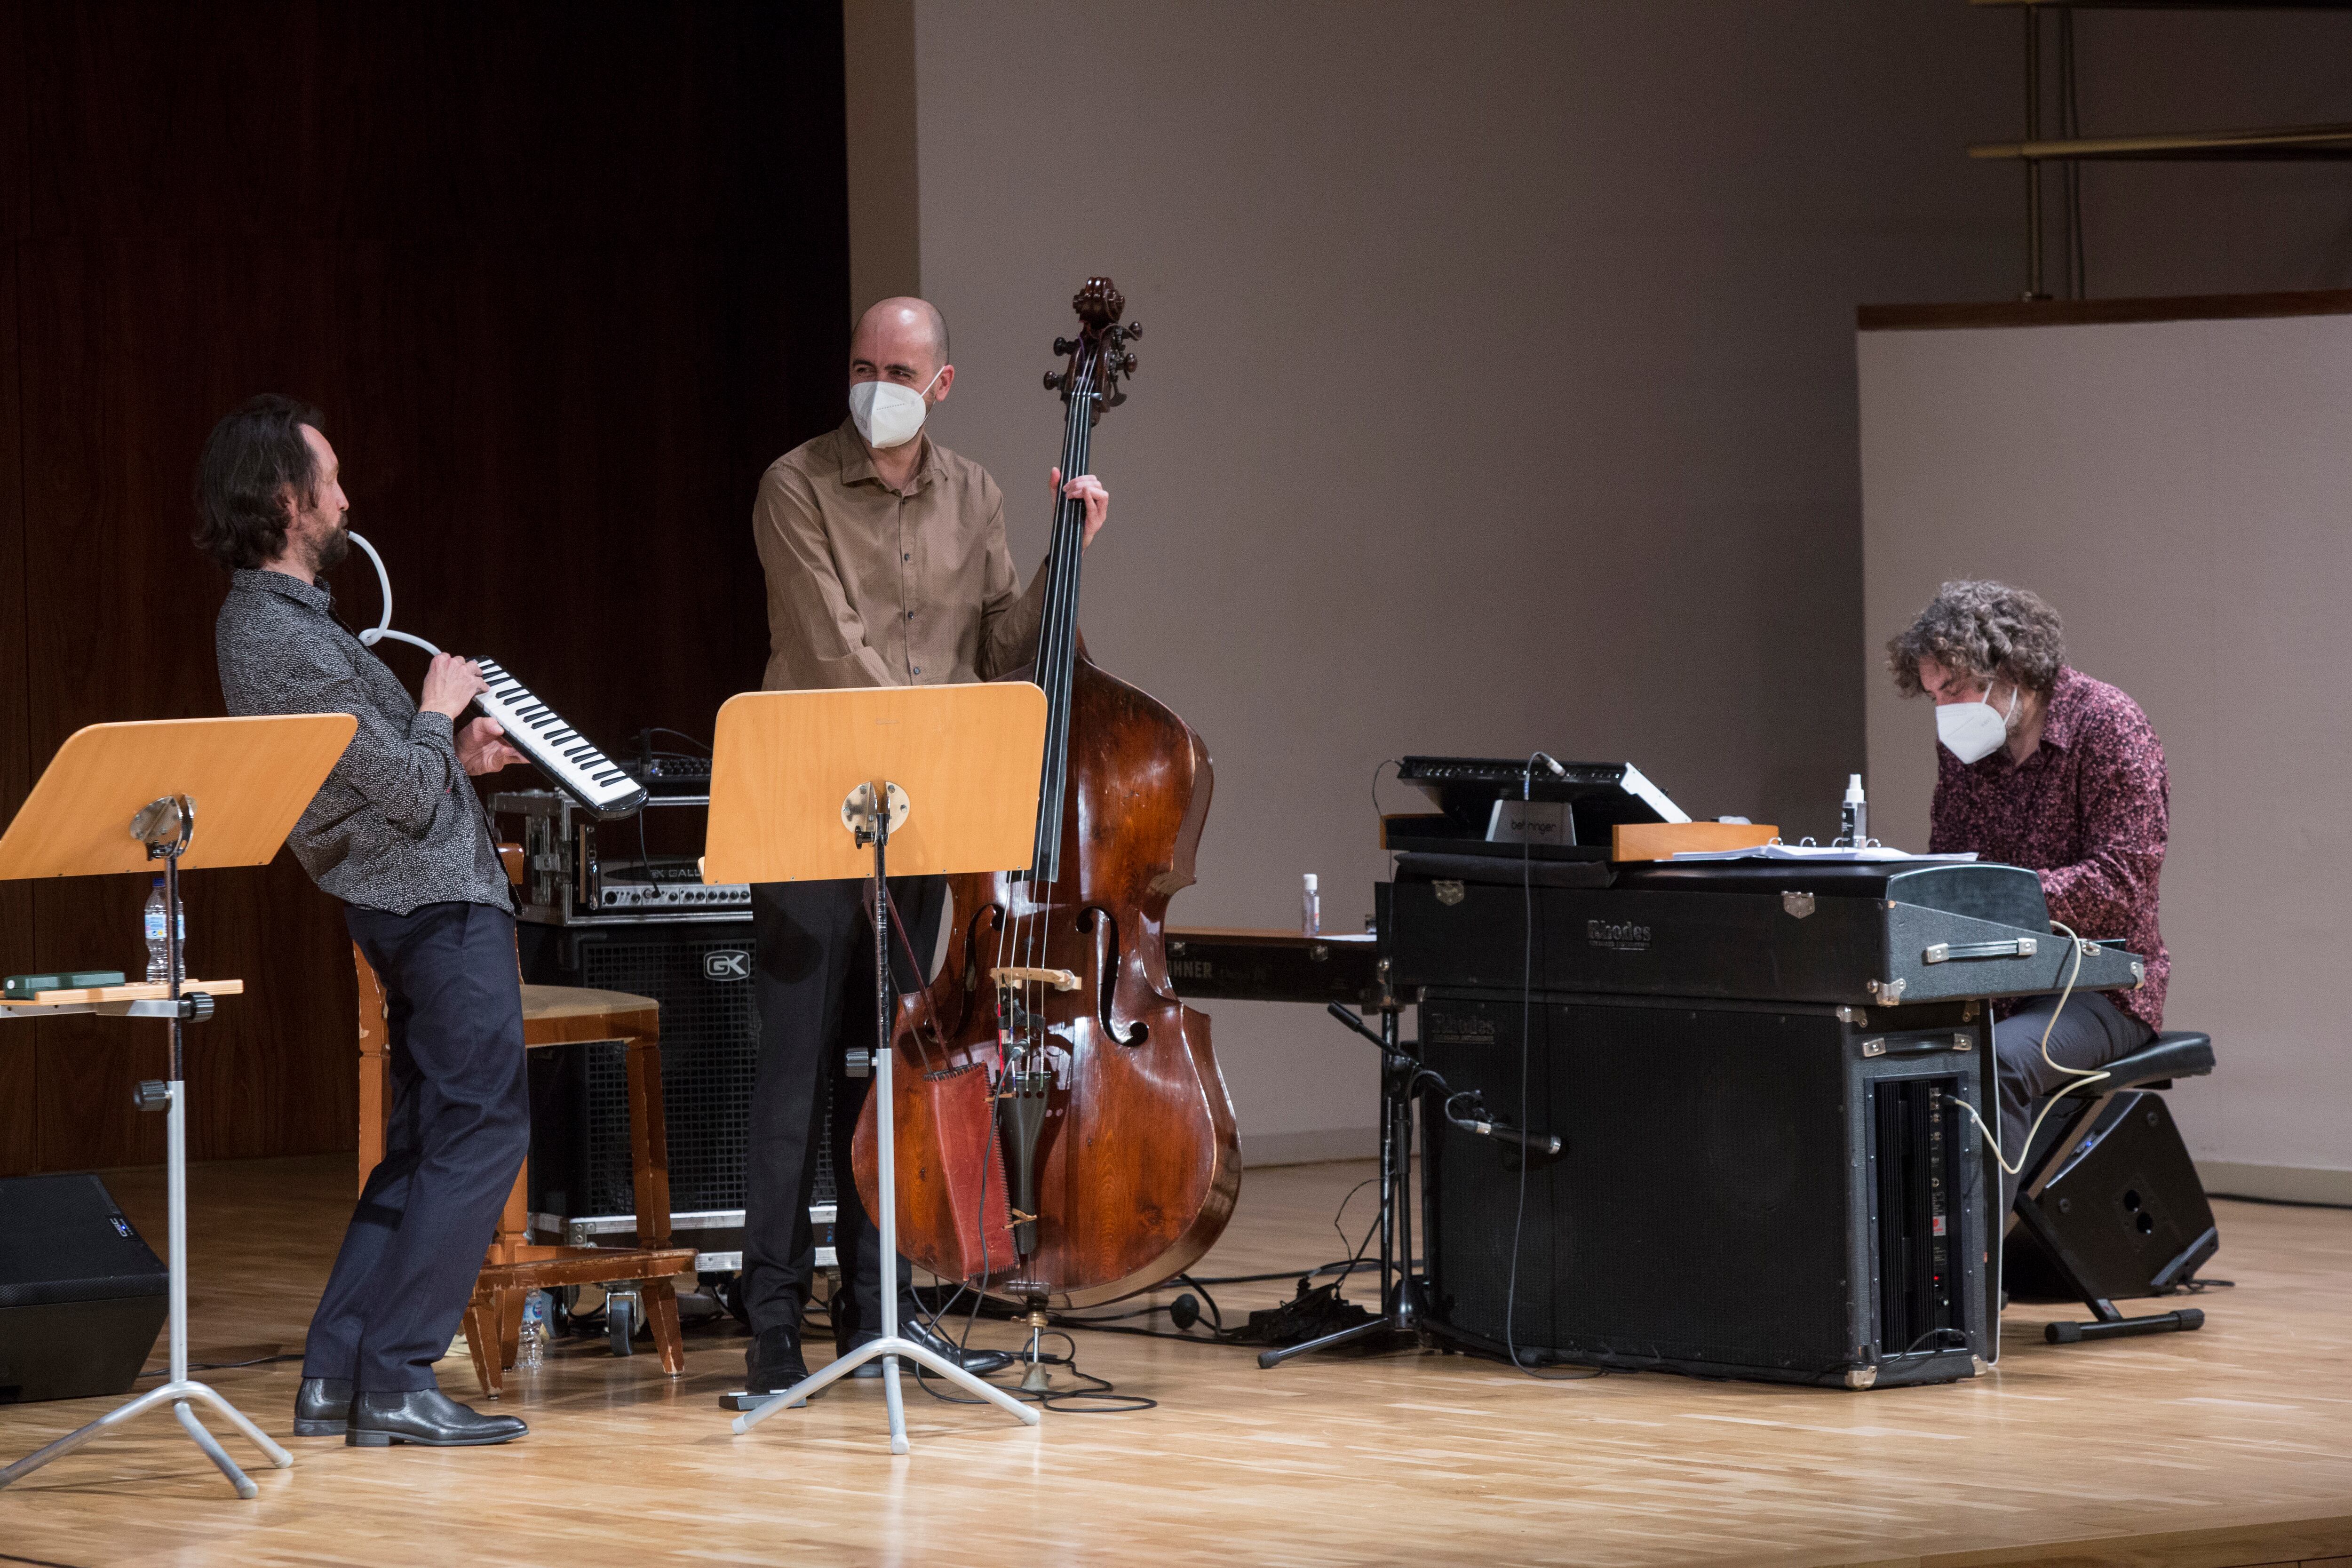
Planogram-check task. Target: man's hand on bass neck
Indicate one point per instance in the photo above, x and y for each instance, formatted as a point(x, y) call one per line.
point(1089, 489)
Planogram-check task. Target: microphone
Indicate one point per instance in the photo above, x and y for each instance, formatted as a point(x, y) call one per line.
point(1542, 1144)
point(1479, 1121)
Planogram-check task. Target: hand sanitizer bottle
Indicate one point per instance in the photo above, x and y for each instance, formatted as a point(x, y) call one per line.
point(1853, 816)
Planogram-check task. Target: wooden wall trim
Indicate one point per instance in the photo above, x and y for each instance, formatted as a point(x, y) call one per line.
point(2102, 312)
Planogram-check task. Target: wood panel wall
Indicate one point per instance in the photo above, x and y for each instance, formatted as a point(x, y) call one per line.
point(564, 277)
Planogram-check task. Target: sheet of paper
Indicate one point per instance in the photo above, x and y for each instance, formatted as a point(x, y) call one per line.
point(1814, 852)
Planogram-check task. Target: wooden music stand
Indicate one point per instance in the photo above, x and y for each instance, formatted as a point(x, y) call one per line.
point(812, 785)
point(116, 798)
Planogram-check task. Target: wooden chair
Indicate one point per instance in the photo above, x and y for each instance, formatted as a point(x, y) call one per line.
point(554, 1015)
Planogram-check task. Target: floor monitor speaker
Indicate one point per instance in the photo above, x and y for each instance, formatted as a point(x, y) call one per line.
point(2126, 1206)
point(81, 1296)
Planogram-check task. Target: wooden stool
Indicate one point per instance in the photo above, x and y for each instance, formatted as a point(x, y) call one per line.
point(554, 1015)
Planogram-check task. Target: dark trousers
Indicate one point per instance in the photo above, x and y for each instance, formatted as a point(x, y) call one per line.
point(814, 980)
point(2091, 1032)
point(460, 1127)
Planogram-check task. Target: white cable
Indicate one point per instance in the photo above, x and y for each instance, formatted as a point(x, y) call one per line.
point(2088, 1075)
point(382, 628)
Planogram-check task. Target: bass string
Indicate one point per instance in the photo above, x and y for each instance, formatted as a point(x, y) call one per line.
point(1056, 640)
point(1069, 530)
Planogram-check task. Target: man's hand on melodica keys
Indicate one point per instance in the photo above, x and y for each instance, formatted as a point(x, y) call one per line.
point(451, 683)
point(482, 748)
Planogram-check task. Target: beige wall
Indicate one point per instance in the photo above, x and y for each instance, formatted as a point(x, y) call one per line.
point(1496, 388)
point(2179, 491)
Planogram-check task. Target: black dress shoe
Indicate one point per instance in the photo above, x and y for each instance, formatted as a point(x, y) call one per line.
point(427, 1417)
point(774, 1362)
point(979, 1362)
point(322, 1407)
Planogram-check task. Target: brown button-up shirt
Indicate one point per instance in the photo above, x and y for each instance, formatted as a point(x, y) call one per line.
point(2090, 810)
point(872, 586)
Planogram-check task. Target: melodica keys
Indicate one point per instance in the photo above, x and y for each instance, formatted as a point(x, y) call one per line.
point(557, 749)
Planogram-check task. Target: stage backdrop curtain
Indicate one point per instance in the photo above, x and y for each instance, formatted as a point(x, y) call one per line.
point(564, 277)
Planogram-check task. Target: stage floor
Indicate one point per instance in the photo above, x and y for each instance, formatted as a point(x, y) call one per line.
point(2224, 1448)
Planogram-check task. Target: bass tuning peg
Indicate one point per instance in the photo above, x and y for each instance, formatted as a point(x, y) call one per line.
point(1053, 381)
point(1127, 364)
point(1135, 329)
point(1065, 346)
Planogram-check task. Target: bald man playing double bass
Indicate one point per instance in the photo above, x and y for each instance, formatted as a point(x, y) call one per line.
point(887, 565)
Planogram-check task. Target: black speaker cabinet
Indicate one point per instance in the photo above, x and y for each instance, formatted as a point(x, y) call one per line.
point(2125, 1205)
point(81, 1296)
point(1772, 1191)
point(700, 972)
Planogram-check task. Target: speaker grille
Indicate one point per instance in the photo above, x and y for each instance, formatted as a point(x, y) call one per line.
point(1914, 1169)
point(710, 1042)
point(1699, 1212)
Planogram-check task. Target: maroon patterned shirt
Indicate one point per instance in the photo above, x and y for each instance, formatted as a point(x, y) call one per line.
point(2087, 810)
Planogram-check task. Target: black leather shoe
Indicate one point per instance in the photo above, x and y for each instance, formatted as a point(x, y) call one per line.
point(979, 1362)
point(322, 1407)
point(774, 1362)
point(428, 1418)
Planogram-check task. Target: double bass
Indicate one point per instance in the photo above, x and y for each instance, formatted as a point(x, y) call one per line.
point(1064, 1134)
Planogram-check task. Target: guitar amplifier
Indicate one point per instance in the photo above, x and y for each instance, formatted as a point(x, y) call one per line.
point(700, 972)
point(1771, 1190)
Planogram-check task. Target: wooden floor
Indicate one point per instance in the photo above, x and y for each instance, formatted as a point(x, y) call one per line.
point(2221, 1448)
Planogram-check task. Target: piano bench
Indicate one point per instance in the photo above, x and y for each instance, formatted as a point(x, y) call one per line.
point(2111, 1206)
point(2174, 1054)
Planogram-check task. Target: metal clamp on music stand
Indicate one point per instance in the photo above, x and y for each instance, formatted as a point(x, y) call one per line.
point(945, 776)
point(254, 775)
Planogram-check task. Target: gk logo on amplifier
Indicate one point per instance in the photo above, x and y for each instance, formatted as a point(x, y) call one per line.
point(726, 964)
point(1618, 936)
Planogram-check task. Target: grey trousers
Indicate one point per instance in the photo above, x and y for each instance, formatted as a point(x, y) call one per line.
point(2090, 1031)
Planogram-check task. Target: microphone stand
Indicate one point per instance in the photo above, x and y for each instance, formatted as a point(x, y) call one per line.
point(1404, 1307)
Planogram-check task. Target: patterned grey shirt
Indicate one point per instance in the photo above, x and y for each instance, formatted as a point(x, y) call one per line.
point(397, 823)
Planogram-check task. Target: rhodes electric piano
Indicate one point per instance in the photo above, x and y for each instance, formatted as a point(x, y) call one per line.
point(1761, 1073)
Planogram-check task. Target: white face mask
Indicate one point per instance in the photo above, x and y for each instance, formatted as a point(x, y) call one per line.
point(888, 413)
point(1974, 730)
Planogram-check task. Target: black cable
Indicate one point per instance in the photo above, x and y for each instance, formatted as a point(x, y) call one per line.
point(1216, 1313)
point(226, 1365)
point(1527, 1040)
point(1958, 1340)
point(689, 740)
point(1383, 763)
point(1339, 1267)
point(1102, 1399)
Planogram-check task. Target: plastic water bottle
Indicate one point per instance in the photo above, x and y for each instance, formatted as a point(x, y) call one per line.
point(530, 1344)
point(159, 938)
point(1310, 909)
